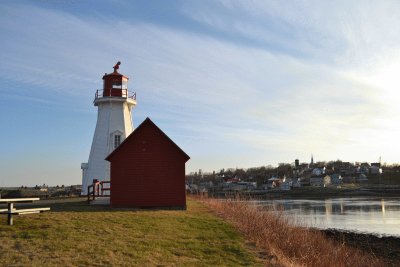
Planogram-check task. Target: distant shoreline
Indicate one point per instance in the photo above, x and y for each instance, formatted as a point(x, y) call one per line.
point(313, 193)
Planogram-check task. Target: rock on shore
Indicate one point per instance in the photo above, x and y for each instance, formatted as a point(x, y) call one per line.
point(385, 247)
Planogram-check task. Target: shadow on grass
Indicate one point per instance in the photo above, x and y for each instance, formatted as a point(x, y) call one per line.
point(80, 204)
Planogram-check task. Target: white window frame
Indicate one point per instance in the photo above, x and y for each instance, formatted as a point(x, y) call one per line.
point(117, 140)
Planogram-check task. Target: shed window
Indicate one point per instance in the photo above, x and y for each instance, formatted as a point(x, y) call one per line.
point(117, 140)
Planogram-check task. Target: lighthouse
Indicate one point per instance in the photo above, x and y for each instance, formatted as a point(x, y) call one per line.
point(114, 123)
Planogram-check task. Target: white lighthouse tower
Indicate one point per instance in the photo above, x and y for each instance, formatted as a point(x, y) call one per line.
point(114, 124)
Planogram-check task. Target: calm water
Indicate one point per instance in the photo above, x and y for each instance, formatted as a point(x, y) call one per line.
point(378, 216)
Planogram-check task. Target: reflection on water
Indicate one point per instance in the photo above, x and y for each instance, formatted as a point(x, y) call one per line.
point(379, 216)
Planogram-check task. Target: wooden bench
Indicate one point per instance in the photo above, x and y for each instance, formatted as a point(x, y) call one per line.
point(24, 211)
point(12, 211)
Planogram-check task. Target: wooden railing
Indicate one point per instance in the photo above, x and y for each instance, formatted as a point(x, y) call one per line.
point(97, 189)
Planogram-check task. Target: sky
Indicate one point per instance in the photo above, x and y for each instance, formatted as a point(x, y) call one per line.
point(233, 83)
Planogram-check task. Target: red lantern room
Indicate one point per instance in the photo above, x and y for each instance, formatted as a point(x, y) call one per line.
point(115, 84)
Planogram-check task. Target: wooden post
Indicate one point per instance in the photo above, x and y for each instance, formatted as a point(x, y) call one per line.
point(10, 218)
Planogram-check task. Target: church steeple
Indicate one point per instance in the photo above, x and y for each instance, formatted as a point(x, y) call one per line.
point(312, 159)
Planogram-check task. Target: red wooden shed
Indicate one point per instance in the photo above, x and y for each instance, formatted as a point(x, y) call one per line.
point(148, 170)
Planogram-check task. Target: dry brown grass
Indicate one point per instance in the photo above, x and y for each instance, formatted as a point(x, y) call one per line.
point(290, 245)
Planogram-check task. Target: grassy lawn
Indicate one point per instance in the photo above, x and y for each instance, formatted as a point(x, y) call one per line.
point(74, 233)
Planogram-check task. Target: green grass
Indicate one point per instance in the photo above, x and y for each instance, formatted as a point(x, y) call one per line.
point(75, 234)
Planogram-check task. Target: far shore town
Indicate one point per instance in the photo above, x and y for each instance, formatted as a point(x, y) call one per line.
point(333, 174)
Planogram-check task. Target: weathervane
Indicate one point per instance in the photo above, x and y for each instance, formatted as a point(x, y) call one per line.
point(116, 67)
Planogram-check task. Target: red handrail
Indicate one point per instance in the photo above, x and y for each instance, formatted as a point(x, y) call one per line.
point(97, 189)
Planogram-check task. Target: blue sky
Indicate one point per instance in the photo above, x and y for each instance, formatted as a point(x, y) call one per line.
point(233, 83)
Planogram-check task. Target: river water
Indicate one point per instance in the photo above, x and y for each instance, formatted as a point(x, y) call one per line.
point(366, 215)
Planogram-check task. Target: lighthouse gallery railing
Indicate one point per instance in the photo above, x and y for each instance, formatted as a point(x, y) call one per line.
point(124, 93)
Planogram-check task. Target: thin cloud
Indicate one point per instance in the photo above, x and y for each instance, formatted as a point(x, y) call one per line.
point(211, 93)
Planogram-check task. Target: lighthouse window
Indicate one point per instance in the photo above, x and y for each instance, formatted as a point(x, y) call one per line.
point(117, 85)
point(124, 84)
point(117, 141)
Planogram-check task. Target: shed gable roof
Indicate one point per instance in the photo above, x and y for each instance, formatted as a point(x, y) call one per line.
point(149, 122)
